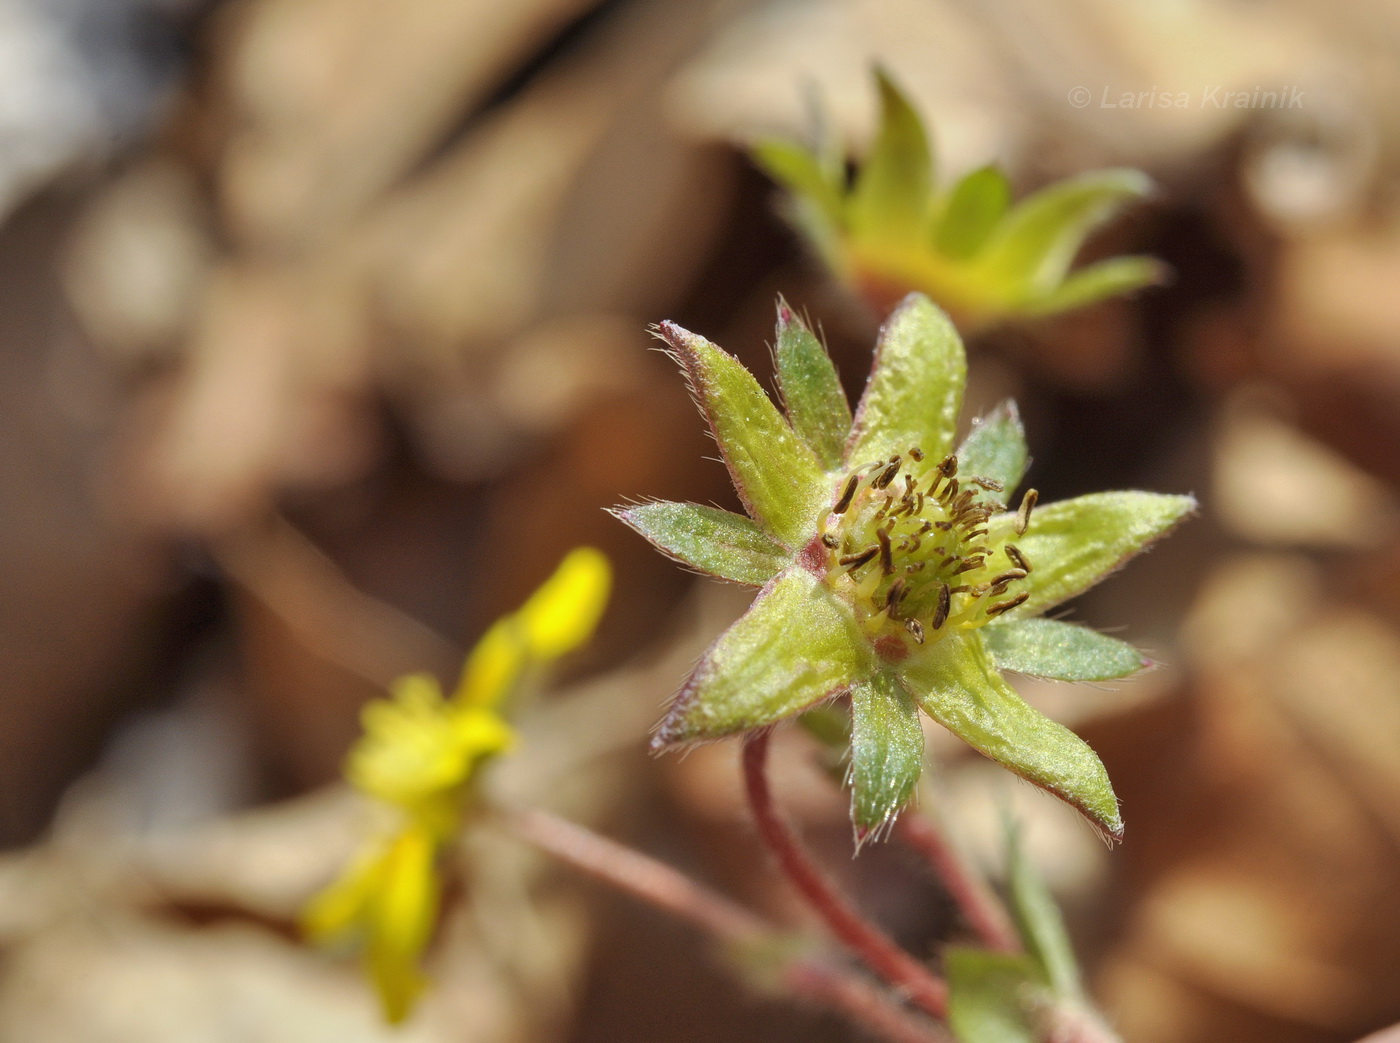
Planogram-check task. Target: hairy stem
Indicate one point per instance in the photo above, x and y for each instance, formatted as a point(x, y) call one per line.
point(978, 903)
point(872, 945)
point(667, 888)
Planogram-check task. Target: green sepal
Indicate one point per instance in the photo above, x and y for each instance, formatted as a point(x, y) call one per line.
point(1097, 282)
point(915, 388)
point(889, 202)
point(887, 752)
point(1041, 926)
point(992, 996)
point(816, 403)
point(719, 543)
point(796, 645)
point(974, 207)
point(801, 172)
point(956, 683)
point(996, 448)
point(815, 201)
point(1061, 651)
point(778, 478)
point(1073, 544)
point(1038, 240)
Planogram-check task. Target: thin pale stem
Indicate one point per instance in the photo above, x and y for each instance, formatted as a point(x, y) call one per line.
point(644, 877)
point(978, 903)
point(667, 888)
point(879, 952)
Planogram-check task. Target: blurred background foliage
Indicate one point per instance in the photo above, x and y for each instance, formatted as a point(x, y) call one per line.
point(322, 338)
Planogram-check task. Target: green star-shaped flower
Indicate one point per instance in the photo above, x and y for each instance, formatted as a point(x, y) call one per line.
point(895, 228)
point(891, 568)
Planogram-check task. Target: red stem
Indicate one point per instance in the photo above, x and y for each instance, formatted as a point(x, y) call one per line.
point(978, 903)
point(867, 941)
point(669, 889)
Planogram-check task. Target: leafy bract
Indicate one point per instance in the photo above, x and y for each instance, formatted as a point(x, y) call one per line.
point(796, 645)
point(995, 448)
point(887, 751)
point(717, 542)
point(915, 389)
point(775, 473)
point(816, 404)
point(1073, 544)
point(974, 208)
point(890, 199)
point(1060, 651)
point(956, 683)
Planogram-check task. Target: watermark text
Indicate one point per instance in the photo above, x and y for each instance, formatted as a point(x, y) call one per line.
point(1207, 97)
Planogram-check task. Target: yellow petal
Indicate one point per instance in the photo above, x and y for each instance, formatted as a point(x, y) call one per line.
point(494, 665)
point(335, 913)
point(402, 913)
point(480, 732)
point(563, 613)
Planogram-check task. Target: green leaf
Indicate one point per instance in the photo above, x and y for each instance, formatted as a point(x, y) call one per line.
point(890, 200)
point(1097, 282)
point(779, 480)
point(716, 542)
point(1060, 651)
point(990, 995)
point(800, 172)
point(955, 682)
point(915, 389)
point(1073, 544)
point(1038, 240)
point(995, 448)
point(887, 752)
point(796, 645)
point(1041, 926)
point(977, 203)
point(816, 403)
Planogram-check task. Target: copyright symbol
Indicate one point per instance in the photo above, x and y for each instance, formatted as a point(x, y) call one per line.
point(1079, 97)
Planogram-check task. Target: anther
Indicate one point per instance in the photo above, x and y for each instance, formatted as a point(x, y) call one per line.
point(1014, 553)
point(887, 475)
point(828, 540)
point(855, 561)
point(1008, 576)
point(1007, 606)
point(989, 484)
point(949, 466)
point(916, 629)
point(896, 595)
point(945, 604)
point(886, 555)
point(1023, 516)
point(916, 454)
point(847, 496)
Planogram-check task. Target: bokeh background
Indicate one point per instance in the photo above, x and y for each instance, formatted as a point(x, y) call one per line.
point(323, 337)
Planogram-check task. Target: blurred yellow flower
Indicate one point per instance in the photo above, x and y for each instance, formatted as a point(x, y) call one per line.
point(418, 746)
point(419, 753)
point(386, 903)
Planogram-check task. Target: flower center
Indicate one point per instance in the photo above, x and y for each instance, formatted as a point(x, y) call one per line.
point(920, 551)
